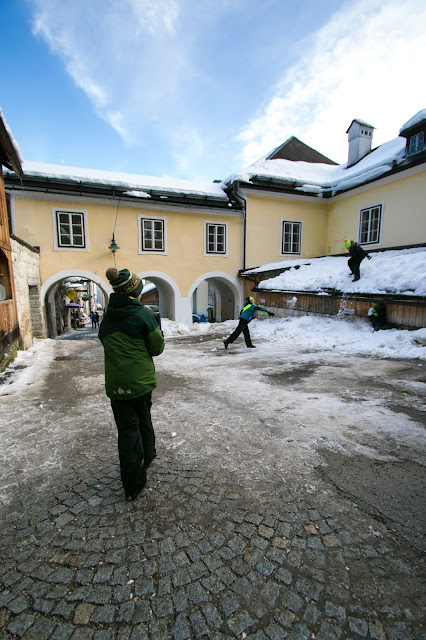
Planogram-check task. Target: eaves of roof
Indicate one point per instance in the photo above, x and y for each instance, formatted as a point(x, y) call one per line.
point(286, 185)
point(63, 186)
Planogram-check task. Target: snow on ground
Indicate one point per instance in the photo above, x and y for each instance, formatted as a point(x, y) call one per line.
point(316, 333)
point(400, 272)
point(339, 337)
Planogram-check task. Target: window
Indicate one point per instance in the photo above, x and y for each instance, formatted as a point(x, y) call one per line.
point(417, 143)
point(70, 230)
point(370, 224)
point(215, 238)
point(152, 235)
point(291, 237)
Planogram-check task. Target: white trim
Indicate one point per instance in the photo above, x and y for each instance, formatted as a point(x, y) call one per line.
point(69, 273)
point(210, 253)
point(56, 246)
point(142, 251)
point(371, 206)
point(299, 253)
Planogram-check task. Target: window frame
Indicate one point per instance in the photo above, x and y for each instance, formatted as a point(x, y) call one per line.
point(155, 252)
point(282, 234)
point(416, 137)
point(56, 235)
point(207, 252)
point(378, 241)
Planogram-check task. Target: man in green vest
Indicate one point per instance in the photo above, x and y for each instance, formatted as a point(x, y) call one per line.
point(131, 338)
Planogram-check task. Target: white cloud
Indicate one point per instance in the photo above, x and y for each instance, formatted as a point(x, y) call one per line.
point(125, 55)
point(364, 63)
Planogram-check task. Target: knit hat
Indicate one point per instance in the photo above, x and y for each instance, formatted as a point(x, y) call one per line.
point(347, 244)
point(124, 281)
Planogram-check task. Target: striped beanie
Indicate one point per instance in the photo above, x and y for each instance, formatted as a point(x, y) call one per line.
point(124, 281)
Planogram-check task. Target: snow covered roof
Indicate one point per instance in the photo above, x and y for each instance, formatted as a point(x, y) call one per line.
point(415, 120)
point(327, 180)
point(10, 154)
point(397, 272)
point(130, 184)
point(321, 178)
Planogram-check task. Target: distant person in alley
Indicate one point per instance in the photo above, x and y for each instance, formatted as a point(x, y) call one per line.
point(131, 337)
point(246, 316)
point(357, 254)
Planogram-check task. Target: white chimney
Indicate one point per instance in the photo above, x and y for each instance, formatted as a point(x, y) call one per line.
point(360, 136)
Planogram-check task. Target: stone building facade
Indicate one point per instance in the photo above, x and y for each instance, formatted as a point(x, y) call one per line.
point(26, 270)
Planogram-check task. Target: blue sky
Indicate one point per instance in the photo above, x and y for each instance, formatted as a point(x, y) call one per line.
point(199, 89)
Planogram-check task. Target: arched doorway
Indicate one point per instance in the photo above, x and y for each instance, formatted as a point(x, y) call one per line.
point(92, 294)
point(216, 295)
point(167, 292)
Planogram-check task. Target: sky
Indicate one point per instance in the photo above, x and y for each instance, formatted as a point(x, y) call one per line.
point(200, 90)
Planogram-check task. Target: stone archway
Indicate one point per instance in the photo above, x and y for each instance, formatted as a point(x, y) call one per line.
point(168, 292)
point(228, 293)
point(50, 305)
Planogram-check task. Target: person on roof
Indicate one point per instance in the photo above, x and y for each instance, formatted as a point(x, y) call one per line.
point(131, 337)
point(246, 316)
point(357, 254)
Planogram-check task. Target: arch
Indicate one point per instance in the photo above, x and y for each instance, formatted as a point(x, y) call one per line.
point(169, 293)
point(70, 273)
point(222, 283)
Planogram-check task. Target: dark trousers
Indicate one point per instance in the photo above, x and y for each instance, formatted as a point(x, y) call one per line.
point(136, 440)
point(241, 328)
point(354, 264)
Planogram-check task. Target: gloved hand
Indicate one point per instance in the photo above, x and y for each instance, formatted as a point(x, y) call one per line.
point(271, 314)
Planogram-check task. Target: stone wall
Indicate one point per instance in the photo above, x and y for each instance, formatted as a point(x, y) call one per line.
point(26, 273)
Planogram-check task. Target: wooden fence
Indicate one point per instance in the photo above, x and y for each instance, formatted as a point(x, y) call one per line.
point(407, 312)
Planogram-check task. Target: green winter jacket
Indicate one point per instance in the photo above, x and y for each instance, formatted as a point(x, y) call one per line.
point(130, 337)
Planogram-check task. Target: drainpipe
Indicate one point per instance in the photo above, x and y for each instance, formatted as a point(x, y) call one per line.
point(233, 194)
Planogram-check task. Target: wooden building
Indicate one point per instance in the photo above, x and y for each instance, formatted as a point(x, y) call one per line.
point(9, 327)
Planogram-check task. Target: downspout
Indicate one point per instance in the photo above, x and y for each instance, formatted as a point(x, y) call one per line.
point(233, 191)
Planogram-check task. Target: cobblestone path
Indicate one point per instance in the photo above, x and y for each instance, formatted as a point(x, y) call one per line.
point(198, 555)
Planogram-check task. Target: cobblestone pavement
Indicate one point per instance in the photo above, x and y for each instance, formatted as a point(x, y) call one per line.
point(200, 554)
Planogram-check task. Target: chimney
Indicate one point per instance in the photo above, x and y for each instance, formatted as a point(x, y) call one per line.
point(360, 136)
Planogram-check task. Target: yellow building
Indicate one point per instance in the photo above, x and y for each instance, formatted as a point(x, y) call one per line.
point(176, 234)
point(192, 240)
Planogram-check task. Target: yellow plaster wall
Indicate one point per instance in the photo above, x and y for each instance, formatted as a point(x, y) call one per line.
point(184, 262)
point(264, 215)
point(404, 214)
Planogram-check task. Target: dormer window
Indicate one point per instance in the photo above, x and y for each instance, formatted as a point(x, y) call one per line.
point(417, 143)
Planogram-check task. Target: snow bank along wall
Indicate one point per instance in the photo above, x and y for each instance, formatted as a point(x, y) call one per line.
point(408, 312)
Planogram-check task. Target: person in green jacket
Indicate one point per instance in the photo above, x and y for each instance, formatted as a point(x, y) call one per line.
point(131, 337)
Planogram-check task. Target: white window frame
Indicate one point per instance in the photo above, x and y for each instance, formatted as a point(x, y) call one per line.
point(378, 241)
point(222, 254)
point(154, 252)
point(56, 245)
point(292, 253)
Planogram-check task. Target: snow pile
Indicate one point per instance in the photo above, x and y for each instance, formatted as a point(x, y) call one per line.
point(342, 337)
point(395, 272)
point(28, 365)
